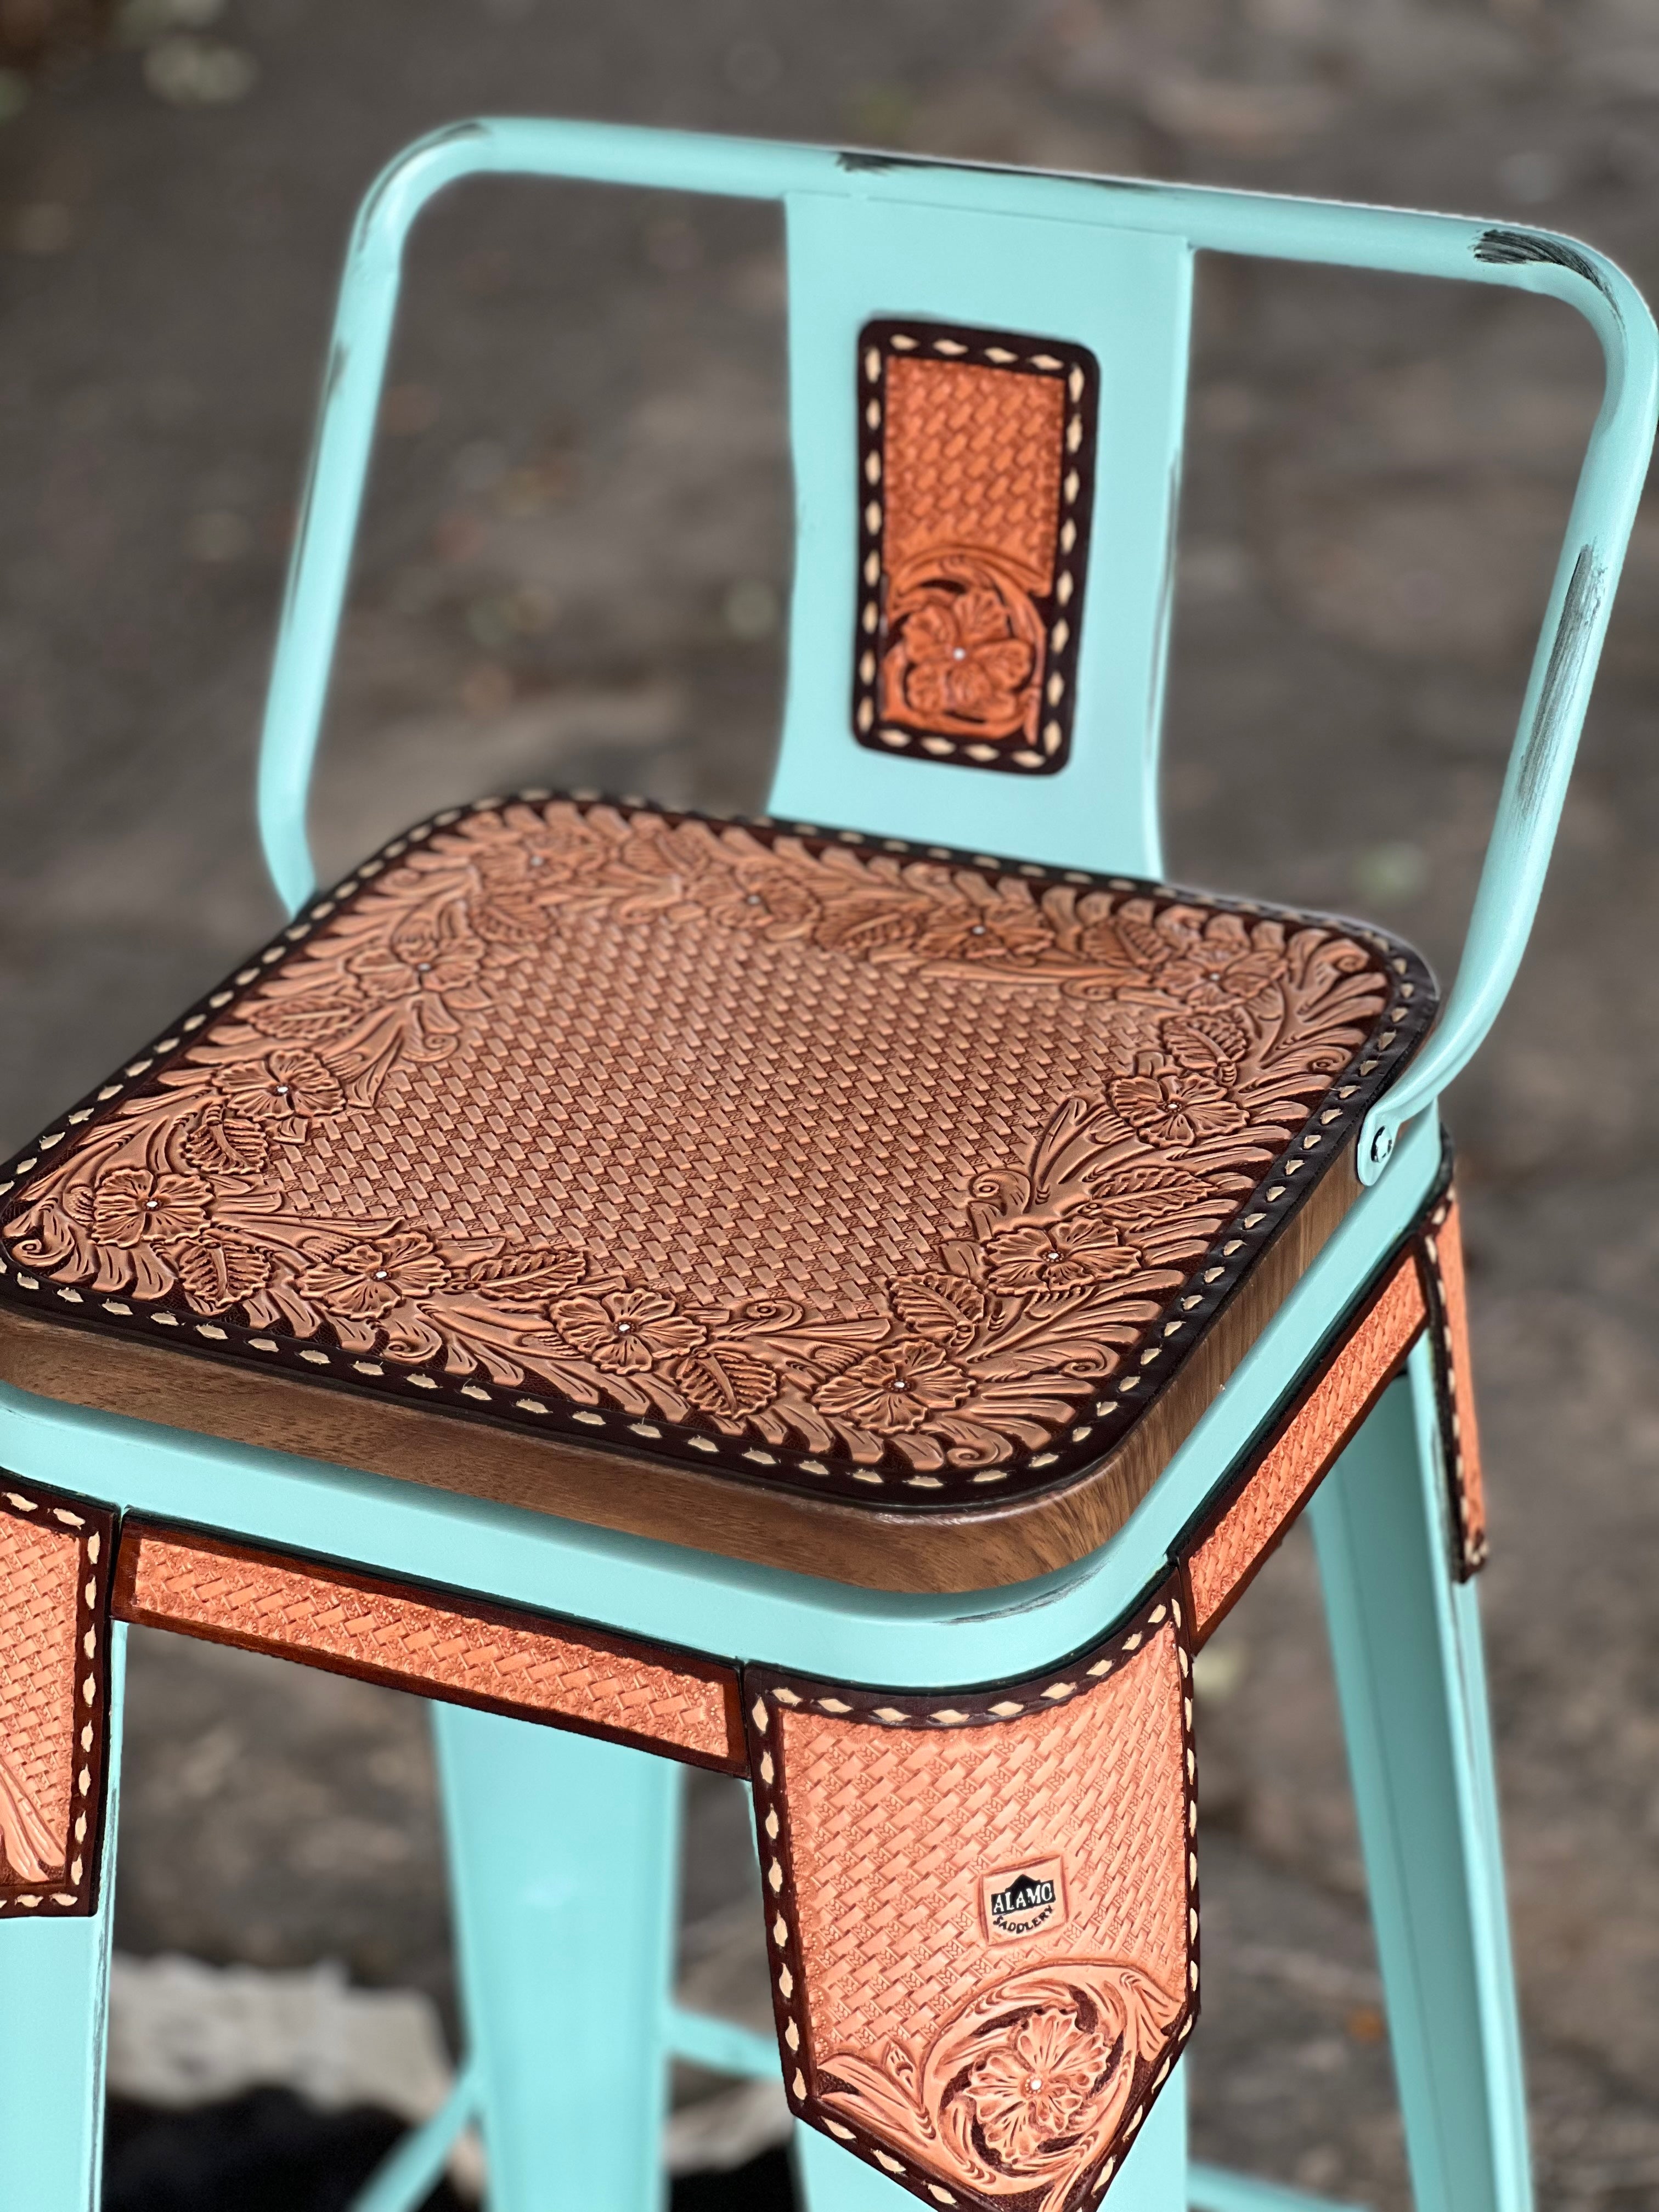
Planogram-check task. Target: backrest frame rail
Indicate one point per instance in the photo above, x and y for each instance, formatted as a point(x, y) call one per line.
point(1385, 240)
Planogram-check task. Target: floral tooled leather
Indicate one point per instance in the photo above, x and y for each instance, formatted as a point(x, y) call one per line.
point(976, 467)
point(982, 1914)
point(855, 1165)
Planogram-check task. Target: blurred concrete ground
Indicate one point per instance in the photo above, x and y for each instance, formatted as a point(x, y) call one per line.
point(572, 572)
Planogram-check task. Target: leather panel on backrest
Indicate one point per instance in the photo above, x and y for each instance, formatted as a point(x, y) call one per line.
point(1124, 297)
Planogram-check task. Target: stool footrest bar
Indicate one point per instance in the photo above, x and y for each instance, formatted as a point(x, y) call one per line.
point(407, 2175)
point(1215, 2189)
point(721, 2044)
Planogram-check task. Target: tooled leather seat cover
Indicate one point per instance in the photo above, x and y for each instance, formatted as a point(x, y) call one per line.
point(825, 1163)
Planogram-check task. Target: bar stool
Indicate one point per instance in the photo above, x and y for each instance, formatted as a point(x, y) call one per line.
point(847, 1299)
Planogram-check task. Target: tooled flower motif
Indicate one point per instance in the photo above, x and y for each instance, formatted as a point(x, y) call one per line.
point(1204, 982)
point(1208, 968)
point(1032, 2091)
point(895, 1388)
point(145, 1206)
point(963, 659)
point(289, 1088)
point(1023, 2094)
point(1083, 1247)
point(625, 1332)
point(560, 850)
point(761, 895)
point(1174, 1106)
point(523, 872)
point(985, 929)
point(362, 1279)
point(439, 959)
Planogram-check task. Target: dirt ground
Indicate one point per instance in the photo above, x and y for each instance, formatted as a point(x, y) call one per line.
point(572, 571)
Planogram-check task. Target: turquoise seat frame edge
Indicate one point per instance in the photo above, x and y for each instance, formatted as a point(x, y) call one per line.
point(570, 2018)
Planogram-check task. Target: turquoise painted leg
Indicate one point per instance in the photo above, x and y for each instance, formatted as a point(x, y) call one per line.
point(563, 1862)
point(1405, 1640)
point(1153, 2179)
point(54, 1997)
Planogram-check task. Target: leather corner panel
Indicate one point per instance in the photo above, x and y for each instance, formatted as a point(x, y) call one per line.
point(1442, 1253)
point(54, 1698)
point(977, 459)
point(983, 1913)
point(1238, 1536)
point(433, 1644)
point(884, 1176)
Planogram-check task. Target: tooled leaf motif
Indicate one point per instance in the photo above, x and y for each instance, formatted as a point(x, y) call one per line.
point(219, 1273)
point(27, 1848)
point(529, 1273)
point(220, 1141)
point(944, 1308)
point(1223, 1030)
point(726, 1378)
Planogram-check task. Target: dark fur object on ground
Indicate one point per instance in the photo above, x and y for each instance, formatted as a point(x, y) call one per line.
point(269, 2151)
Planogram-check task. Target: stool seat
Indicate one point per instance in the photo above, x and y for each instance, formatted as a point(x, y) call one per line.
point(879, 1210)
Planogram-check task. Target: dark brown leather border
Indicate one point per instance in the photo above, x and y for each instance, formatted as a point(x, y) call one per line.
point(1466, 1503)
point(1285, 1420)
point(869, 633)
point(765, 1687)
point(329, 1575)
point(1313, 1175)
point(1218, 1512)
point(977, 1549)
point(77, 1897)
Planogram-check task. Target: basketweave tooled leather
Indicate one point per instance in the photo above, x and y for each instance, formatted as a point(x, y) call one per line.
point(975, 489)
point(54, 1571)
point(982, 1913)
point(436, 1643)
point(823, 1162)
point(1237, 1536)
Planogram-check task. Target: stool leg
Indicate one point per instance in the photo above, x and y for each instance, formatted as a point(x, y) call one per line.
point(563, 1862)
point(1406, 1641)
point(1153, 2179)
point(54, 2000)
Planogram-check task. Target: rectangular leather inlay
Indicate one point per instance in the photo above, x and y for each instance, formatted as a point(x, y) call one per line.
point(1442, 1248)
point(1249, 1525)
point(975, 483)
point(983, 1913)
point(438, 1646)
point(54, 1569)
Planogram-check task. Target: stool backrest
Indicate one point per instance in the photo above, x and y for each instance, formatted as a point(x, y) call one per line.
point(987, 371)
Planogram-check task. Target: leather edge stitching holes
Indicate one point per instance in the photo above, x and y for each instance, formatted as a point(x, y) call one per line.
point(766, 1693)
point(1000, 351)
point(94, 1529)
point(1075, 1446)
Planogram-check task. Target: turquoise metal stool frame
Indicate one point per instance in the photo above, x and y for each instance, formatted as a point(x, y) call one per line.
point(570, 2020)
